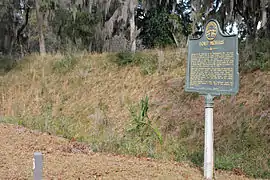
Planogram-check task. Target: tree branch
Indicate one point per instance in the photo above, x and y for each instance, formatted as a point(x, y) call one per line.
point(25, 23)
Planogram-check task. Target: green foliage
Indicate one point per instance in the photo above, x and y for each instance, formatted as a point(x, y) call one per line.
point(141, 125)
point(83, 27)
point(79, 31)
point(64, 127)
point(141, 137)
point(245, 146)
point(124, 58)
point(147, 62)
point(197, 158)
point(263, 54)
point(46, 5)
point(176, 148)
point(227, 162)
point(257, 58)
point(65, 64)
point(156, 29)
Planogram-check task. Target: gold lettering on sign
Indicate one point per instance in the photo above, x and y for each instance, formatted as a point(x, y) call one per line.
point(211, 43)
point(212, 69)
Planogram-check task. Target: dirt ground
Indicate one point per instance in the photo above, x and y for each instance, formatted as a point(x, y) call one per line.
point(70, 160)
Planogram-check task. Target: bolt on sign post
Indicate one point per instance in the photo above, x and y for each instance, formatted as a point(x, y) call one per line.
point(212, 70)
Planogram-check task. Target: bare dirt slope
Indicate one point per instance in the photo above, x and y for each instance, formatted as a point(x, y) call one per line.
point(64, 159)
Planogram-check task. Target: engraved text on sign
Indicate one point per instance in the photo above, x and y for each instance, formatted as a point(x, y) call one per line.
point(213, 62)
point(214, 69)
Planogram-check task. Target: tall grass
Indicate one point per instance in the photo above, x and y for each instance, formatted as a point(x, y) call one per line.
point(92, 99)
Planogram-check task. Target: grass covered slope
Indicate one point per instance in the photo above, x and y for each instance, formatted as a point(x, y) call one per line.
point(102, 99)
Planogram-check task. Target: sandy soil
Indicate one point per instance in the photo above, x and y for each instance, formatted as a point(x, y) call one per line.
point(70, 160)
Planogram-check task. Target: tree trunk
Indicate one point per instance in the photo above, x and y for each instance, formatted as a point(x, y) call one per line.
point(264, 13)
point(90, 6)
point(46, 17)
point(173, 7)
point(132, 27)
point(13, 36)
point(90, 47)
point(42, 48)
point(231, 10)
point(195, 14)
point(6, 43)
point(175, 39)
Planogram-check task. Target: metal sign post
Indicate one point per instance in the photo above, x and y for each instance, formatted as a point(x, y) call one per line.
point(212, 70)
point(208, 138)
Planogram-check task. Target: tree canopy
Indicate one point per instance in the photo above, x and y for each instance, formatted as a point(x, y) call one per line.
point(123, 25)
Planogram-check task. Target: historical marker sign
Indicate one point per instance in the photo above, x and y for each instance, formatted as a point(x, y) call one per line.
point(212, 70)
point(212, 66)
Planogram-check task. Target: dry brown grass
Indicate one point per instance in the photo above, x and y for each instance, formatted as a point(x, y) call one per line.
point(93, 82)
point(96, 92)
point(63, 159)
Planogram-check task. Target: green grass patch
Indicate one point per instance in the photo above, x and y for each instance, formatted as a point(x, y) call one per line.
point(259, 60)
point(147, 62)
point(64, 65)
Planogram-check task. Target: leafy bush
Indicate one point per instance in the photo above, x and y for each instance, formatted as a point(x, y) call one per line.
point(124, 58)
point(76, 30)
point(156, 28)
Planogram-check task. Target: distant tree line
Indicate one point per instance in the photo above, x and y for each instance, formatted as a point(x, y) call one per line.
point(43, 26)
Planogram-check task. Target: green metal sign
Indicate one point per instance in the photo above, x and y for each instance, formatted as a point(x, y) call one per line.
point(212, 65)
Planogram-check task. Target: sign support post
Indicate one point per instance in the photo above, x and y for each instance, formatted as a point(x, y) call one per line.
point(208, 138)
point(212, 70)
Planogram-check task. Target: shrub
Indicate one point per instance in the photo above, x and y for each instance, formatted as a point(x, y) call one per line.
point(124, 58)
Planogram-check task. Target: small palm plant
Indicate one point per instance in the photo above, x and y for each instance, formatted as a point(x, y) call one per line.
point(141, 125)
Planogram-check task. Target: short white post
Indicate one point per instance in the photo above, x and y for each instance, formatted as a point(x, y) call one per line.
point(208, 138)
point(37, 166)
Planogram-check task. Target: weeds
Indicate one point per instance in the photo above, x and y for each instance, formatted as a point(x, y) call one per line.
point(262, 56)
point(244, 149)
point(124, 58)
point(65, 64)
point(147, 62)
point(64, 127)
point(141, 137)
point(60, 105)
point(141, 125)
